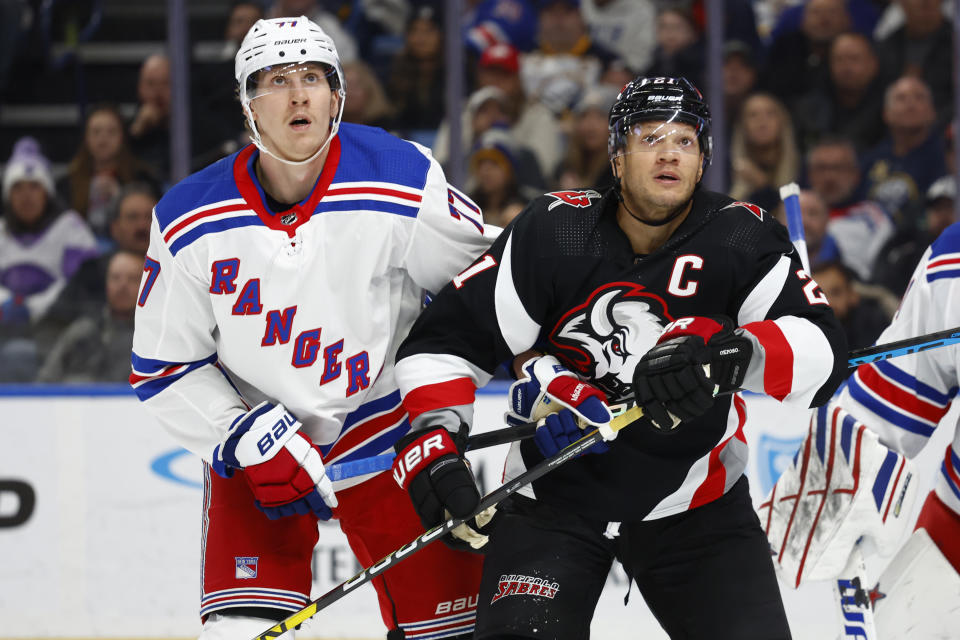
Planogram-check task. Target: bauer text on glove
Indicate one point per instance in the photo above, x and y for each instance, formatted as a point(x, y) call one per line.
point(282, 466)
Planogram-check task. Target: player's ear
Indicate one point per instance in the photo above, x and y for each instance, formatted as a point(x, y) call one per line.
point(615, 165)
point(700, 170)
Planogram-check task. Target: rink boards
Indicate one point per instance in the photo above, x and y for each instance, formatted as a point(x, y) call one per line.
point(110, 546)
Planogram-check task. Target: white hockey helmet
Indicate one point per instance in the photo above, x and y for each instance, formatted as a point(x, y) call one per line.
point(283, 41)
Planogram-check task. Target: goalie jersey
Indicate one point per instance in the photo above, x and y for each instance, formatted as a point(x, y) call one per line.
point(563, 278)
point(904, 399)
point(238, 305)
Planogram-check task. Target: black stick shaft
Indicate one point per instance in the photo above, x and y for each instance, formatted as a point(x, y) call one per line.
point(564, 455)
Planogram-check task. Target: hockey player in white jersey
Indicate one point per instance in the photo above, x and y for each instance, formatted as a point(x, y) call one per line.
point(852, 477)
point(277, 287)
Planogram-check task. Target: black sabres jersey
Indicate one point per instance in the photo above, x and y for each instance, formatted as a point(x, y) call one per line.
point(563, 278)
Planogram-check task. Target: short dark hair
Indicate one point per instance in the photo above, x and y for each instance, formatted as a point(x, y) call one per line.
point(138, 186)
point(836, 265)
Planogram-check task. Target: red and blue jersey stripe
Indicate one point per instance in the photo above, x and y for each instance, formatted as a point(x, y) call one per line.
point(150, 377)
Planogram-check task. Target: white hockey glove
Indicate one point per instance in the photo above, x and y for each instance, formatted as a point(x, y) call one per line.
point(560, 403)
point(842, 484)
point(281, 465)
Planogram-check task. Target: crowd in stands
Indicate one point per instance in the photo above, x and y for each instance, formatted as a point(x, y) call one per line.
point(853, 99)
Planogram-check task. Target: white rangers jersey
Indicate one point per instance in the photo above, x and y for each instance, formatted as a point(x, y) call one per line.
point(903, 400)
point(304, 308)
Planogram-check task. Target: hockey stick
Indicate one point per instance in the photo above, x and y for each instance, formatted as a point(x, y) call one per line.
point(904, 347)
point(564, 455)
point(855, 612)
point(382, 462)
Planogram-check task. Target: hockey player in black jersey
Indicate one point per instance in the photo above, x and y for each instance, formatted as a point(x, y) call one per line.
point(657, 292)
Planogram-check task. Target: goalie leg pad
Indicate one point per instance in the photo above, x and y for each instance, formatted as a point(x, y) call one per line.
point(842, 485)
point(919, 592)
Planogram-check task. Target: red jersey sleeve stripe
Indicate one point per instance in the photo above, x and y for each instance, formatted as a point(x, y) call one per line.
point(452, 393)
point(778, 360)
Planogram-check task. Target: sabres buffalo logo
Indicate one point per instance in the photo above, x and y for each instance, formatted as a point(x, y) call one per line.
point(604, 338)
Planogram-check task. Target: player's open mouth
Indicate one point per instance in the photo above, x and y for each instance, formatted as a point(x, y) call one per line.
point(667, 177)
point(300, 123)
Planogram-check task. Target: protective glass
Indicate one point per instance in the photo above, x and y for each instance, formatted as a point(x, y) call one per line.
point(297, 76)
point(661, 137)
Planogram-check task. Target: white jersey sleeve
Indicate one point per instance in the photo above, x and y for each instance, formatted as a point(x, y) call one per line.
point(449, 232)
point(903, 400)
point(174, 358)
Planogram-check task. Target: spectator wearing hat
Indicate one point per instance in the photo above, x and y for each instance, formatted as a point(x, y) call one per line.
point(902, 253)
point(850, 104)
point(41, 245)
point(529, 120)
point(488, 108)
point(587, 163)
point(493, 181)
point(96, 346)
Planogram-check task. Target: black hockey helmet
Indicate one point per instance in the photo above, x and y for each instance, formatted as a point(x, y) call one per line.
point(667, 99)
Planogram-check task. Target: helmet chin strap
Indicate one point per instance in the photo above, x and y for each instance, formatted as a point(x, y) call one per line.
point(258, 141)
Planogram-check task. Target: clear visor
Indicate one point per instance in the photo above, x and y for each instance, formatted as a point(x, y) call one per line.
point(298, 76)
point(673, 137)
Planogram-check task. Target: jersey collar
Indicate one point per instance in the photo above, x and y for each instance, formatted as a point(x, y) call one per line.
point(252, 191)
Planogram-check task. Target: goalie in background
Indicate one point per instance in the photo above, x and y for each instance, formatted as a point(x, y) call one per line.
point(852, 476)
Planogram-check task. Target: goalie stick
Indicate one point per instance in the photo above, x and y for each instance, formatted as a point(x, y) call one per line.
point(368, 573)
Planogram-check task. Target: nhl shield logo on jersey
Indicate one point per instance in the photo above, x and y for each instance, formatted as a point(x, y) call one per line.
point(518, 585)
point(246, 567)
point(573, 198)
point(604, 338)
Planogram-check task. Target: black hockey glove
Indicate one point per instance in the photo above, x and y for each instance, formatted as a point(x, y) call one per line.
point(671, 378)
point(430, 466)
